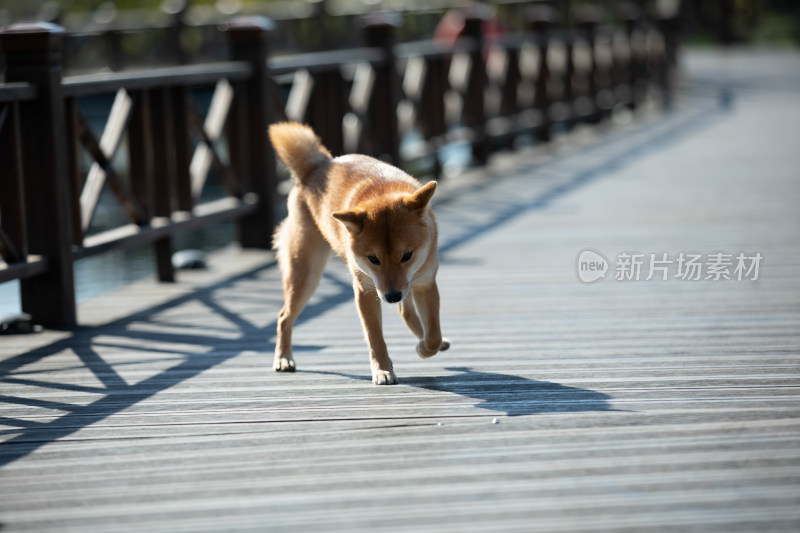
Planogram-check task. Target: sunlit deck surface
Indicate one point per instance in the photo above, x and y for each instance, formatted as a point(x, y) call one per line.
point(561, 406)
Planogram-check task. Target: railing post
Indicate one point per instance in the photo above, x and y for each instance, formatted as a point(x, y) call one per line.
point(474, 105)
point(588, 18)
point(327, 109)
point(631, 15)
point(379, 32)
point(140, 147)
point(668, 22)
point(12, 199)
point(162, 195)
point(248, 37)
point(183, 149)
point(540, 21)
point(33, 54)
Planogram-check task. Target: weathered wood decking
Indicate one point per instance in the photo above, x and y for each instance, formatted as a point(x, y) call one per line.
point(640, 405)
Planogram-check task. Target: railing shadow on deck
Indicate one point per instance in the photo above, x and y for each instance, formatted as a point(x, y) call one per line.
point(116, 394)
point(501, 393)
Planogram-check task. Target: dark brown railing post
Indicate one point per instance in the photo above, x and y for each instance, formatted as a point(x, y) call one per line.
point(140, 161)
point(327, 108)
point(12, 189)
point(631, 16)
point(164, 135)
point(587, 18)
point(379, 32)
point(183, 149)
point(540, 21)
point(249, 42)
point(33, 54)
point(474, 104)
point(668, 23)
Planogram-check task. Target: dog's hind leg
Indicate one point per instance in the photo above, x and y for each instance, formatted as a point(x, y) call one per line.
point(302, 254)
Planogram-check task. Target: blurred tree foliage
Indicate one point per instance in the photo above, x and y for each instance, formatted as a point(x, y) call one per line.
point(13, 10)
point(21, 6)
point(762, 22)
point(767, 22)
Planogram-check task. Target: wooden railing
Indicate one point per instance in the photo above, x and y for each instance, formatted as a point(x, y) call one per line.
point(367, 100)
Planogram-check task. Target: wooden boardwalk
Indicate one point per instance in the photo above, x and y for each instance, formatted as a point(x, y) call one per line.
point(562, 406)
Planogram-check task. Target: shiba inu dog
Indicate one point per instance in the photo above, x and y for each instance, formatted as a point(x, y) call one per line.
point(375, 217)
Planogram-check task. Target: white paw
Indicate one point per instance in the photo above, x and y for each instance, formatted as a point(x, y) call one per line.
point(283, 364)
point(384, 377)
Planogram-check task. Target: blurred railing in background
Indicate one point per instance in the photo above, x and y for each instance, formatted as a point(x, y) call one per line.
point(171, 130)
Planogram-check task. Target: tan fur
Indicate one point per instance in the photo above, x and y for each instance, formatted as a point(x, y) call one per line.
point(358, 207)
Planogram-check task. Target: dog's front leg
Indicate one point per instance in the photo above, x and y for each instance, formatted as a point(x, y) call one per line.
point(426, 299)
point(369, 308)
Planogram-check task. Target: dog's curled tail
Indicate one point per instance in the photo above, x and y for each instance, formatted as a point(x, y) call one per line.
point(298, 147)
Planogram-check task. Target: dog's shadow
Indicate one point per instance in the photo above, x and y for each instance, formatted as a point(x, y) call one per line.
point(506, 393)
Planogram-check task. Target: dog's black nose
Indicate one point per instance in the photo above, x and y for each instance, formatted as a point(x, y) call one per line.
point(393, 297)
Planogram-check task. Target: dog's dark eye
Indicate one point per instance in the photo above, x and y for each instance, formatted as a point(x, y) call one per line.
point(406, 257)
point(374, 260)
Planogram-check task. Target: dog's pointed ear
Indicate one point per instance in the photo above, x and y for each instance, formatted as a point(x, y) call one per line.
point(352, 220)
point(419, 200)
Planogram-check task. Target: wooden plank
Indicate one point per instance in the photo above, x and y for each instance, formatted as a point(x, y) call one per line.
point(561, 406)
